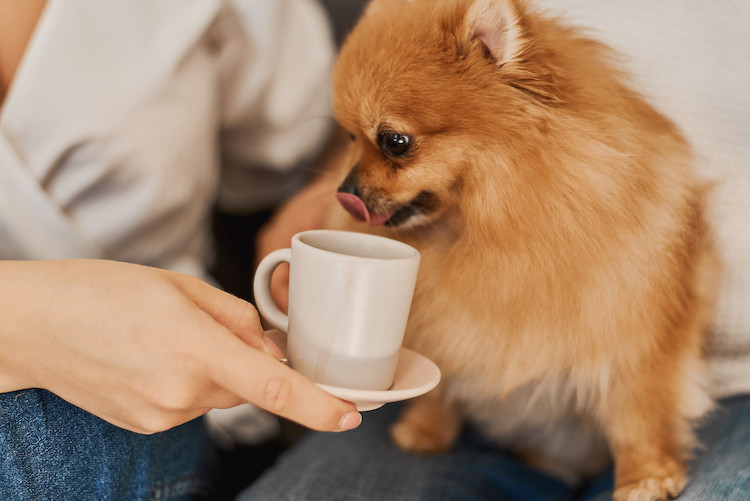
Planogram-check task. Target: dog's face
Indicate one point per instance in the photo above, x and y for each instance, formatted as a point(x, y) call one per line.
point(426, 90)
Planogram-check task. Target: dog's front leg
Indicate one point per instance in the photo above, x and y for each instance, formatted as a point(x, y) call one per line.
point(649, 437)
point(429, 424)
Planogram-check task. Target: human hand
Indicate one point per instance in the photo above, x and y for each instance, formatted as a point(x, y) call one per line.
point(146, 349)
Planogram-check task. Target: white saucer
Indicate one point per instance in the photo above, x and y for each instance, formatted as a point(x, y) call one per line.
point(415, 375)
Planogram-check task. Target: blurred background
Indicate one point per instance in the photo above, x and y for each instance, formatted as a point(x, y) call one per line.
point(344, 14)
point(235, 233)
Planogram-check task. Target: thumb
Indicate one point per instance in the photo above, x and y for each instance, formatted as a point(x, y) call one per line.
point(237, 315)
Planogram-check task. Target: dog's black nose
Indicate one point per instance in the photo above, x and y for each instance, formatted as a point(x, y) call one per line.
point(351, 183)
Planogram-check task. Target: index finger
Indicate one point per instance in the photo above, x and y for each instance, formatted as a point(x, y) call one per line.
point(271, 385)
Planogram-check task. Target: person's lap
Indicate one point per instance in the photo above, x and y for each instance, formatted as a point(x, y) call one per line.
point(722, 469)
point(363, 464)
point(54, 450)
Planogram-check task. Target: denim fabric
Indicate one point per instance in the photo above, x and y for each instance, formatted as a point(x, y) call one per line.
point(722, 471)
point(363, 465)
point(52, 450)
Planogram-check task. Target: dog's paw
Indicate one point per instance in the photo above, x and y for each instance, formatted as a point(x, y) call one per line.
point(412, 437)
point(651, 489)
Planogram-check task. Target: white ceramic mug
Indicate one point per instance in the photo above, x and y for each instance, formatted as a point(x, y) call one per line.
point(349, 300)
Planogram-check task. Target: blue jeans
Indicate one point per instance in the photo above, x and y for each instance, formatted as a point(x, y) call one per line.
point(50, 449)
point(363, 465)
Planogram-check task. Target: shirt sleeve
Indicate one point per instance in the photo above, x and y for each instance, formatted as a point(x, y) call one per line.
point(275, 63)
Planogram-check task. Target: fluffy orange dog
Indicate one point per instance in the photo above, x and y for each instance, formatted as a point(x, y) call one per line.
point(568, 271)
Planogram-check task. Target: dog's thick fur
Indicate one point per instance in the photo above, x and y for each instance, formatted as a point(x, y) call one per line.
point(568, 271)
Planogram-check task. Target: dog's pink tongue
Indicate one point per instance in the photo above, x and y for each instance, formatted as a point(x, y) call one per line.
point(354, 206)
point(357, 208)
point(379, 218)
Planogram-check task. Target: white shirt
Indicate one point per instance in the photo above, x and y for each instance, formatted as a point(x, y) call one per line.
point(126, 119)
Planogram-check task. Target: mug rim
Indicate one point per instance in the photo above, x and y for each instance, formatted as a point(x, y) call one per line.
point(407, 251)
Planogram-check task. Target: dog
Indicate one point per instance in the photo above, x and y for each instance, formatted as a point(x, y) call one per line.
point(568, 270)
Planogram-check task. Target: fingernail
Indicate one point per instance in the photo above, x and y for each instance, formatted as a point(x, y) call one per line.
point(350, 421)
point(274, 348)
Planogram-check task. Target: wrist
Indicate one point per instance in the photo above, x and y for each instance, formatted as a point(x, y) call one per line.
point(21, 308)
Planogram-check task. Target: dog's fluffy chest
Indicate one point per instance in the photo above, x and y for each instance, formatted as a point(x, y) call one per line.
point(479, 318)
point(509, 373)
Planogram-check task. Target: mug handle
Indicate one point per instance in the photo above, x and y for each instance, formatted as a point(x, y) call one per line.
point(262, 288)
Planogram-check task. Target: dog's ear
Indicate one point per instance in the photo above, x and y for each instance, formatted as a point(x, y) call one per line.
point(496, 24)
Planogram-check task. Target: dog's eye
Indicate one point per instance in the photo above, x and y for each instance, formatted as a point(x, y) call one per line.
point(392, 143)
